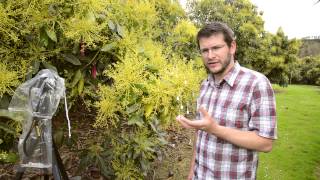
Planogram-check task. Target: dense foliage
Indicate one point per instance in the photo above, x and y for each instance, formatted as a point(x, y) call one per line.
point(138, 70)
point(134, 62)
point(307, 71)
point(142, 101)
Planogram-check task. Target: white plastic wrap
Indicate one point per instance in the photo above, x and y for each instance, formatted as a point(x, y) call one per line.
point(38, 99)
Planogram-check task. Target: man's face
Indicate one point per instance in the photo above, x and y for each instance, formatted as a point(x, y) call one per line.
point(216, 54)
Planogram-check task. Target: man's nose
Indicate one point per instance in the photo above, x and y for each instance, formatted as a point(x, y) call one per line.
point(211, 54)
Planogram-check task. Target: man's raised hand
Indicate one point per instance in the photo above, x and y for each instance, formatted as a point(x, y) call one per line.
point(207, 123)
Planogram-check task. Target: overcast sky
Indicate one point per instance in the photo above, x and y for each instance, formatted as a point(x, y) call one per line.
point(298, 18)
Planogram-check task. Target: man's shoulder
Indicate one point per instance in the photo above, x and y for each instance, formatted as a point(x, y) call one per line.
point(252, 74)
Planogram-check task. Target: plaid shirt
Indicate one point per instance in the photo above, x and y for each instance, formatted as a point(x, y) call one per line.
point(244, 100)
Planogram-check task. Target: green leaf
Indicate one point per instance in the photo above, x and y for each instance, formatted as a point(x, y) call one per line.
point(136, 154)
point(148, 108)
point(133, 108)
point(4, 101)
point(52, 9)
point(34, 69)
point(91, 17)
point(162, 141)
point(108, 47)
point(8, 157)
point(141, 87)
point(153, 127)
point(120, 30)
point(152, 68)
point(111, 25)
point(150, 149)
point(141, 50)
point(15, 116)
point(44, 37)
point(67, 10)
point(145, 165)
point(49, 66)
point(104, 167)
point(85, 161)
point(35, 66)
point(76, 48)
point(72, 59)
point(136, 119)
point(7, 128)
point(80, 85)
point(76, 78)
point(51, 34)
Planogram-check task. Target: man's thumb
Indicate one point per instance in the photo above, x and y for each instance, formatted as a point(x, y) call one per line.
point(204, 112)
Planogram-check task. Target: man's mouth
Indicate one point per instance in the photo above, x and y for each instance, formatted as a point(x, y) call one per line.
point(212, 63)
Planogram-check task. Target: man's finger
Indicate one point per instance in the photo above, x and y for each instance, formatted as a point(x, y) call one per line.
point(195, 124)
point(181, 120)
point(204, 112)
point(183, 117)
point(185, 125)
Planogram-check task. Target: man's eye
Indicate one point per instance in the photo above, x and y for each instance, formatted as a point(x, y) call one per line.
point(204, 50)
point(216, 47)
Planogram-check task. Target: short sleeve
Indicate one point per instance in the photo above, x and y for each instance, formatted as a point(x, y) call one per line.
point(263, 109)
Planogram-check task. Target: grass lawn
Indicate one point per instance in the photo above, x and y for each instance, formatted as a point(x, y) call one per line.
point(296, 153)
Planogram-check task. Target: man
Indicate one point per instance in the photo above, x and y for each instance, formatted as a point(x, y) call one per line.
point(237, 116)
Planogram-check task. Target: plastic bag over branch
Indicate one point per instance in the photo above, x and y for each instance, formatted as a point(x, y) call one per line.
point(37, 99)
point(40, 95)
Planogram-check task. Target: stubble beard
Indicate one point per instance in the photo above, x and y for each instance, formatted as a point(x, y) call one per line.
point(223, 68)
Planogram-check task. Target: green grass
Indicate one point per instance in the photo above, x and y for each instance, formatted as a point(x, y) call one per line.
point(296, 153)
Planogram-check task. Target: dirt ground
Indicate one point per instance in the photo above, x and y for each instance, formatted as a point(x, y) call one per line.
point(175, 165)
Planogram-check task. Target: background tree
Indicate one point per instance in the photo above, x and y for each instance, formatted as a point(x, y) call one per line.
point(309, 68)
point(283, 56)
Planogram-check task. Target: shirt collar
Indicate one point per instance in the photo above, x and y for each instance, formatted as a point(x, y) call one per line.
point(233, 73)
point(229, 78)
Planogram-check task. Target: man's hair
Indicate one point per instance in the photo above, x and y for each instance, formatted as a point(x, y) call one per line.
point(216, 28)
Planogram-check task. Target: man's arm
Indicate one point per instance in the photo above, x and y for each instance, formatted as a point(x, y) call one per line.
point(245, 139)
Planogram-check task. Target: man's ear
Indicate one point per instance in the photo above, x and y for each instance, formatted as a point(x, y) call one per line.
point(233, 47)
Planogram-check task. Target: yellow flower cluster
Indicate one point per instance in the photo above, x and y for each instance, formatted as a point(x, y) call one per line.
point(8, 79)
